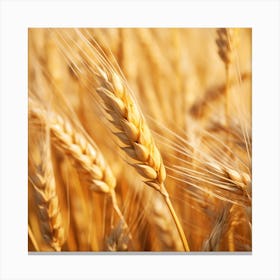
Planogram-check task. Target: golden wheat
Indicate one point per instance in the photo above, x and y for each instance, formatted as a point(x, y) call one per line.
point(171, 105)
point(133, 131)
point(45, 194)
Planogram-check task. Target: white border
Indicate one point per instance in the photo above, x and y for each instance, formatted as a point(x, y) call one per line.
point(17, 16)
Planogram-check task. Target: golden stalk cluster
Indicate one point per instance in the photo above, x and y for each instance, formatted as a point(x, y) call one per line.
point(139, 139)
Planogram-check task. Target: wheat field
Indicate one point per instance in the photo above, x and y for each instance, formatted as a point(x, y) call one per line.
point(139, 139)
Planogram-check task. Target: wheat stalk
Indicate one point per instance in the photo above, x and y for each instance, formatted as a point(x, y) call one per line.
point(134, 133)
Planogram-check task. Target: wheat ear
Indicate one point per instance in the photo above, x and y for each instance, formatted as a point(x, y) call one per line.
point(75, 145)
point(85, 154)
point(47, 200)
point(117, 240)
point(159, 216)
point(240, 179)
point(212, 243)
point(134, 133)
point(226, 41)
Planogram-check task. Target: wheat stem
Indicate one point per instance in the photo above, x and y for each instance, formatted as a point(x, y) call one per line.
point(177, 223)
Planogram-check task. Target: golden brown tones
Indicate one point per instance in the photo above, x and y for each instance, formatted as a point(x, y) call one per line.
point(139, 139)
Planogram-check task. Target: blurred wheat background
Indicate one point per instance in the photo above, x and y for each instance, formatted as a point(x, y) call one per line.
point(139, 139)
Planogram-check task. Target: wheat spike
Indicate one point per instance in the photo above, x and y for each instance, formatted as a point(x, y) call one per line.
point(240, 179)
point(43, 181)
point(212, 243)
point(160, 218)
point(85, 154)
point(118, 239)
point(133, 131)
point(226, 42)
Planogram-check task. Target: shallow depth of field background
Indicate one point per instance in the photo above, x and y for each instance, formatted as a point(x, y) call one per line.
point(200, 117)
